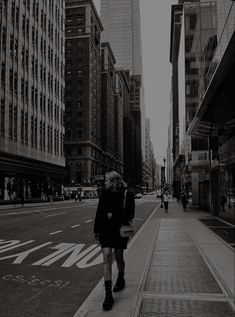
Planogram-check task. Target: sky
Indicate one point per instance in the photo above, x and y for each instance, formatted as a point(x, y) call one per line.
point(155, 29)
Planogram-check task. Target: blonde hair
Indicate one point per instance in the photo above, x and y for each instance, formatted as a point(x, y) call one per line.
point(113, 176)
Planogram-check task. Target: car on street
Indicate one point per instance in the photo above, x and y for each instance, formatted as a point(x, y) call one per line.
point(159, 193)
point(138, 195)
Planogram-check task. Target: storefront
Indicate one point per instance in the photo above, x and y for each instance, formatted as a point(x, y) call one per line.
point(31, 179)
point(215, 121)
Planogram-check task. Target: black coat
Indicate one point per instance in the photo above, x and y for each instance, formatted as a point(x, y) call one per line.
point(111, 202)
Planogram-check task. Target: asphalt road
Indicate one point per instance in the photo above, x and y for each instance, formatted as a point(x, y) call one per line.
point(49, 260)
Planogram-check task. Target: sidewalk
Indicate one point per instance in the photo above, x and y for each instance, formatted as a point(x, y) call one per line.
point(175, 266)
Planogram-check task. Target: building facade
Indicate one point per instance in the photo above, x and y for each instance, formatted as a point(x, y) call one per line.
point(119, 104)
point(176, 21)
point(215, 118)
point(32, 98)
point(122, 29)
point(83, 115)
point(108, 106)
point(197, 44)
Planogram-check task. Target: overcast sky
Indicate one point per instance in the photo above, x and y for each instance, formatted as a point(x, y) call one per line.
point(155, 25)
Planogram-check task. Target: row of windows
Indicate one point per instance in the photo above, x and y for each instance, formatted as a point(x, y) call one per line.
point(35, 14)
point(13, 83)
point(14, 46)
point(24, 130)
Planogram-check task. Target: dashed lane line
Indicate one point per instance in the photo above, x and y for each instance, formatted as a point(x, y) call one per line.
point(75, 226)
point(90, 220)
point(52, 233)
point(54, 215)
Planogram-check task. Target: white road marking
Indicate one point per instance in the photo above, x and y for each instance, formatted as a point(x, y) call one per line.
point(32, 211)
point(16, 246)
point(75, 226)
point(80, 255)
point(52, 233)
point(90, 220)
point(53, 215)
point(12, 213)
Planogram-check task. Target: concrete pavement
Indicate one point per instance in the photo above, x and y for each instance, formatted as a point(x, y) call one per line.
point(175, 266)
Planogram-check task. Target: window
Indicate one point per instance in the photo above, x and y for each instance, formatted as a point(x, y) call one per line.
point(27, 28)
point(11, 80)
point(22, 126)
point(4, 38)
point(22, 88)
point(3, 74)
point(10, 131)
point(22, 56)
point(2, 125)
point(192, 21)
point(15, 123)
point(23, 25)
point(11, 44)
point(13, 11)
point(35, 132)
point(26, 127)
point(15, 83)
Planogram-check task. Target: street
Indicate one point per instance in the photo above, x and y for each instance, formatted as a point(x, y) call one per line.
point(49, 259)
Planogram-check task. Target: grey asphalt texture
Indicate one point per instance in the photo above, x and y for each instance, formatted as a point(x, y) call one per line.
point(28, 288)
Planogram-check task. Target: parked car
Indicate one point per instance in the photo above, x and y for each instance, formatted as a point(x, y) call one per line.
point(159, 193)
point(138, 195)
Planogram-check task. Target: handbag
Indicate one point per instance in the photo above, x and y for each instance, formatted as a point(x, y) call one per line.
point(126, 231)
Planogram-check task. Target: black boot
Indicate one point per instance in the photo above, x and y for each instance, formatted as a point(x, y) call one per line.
point(120, 284)
point(108, 301)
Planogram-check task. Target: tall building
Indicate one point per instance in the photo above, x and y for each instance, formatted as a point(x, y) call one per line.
point(83, 144)
point(32, 97)
point(148, 144)
point(108, 107)
point(198, 43)
point(119, 104)
point(215, 118)
point(176, 18)
point(122, 29)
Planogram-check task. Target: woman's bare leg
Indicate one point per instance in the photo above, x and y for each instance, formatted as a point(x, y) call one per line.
point(120, 260)
point(107, 255)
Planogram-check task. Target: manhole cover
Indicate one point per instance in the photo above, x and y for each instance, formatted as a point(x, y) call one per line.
point(184, 308)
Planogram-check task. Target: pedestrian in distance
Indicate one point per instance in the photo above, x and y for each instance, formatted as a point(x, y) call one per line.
point(166, 201)
point(162, 200)
point(184, 200)
point(223, 200)
point(115, 211)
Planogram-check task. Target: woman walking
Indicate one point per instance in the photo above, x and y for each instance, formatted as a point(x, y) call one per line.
point(184, 200)
point(166, 201)
point(116, 208)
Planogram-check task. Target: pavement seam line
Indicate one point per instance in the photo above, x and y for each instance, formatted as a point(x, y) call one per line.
point(99, 285)
point(188, 296)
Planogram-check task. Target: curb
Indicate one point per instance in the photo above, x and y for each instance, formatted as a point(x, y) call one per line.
point(99, 286)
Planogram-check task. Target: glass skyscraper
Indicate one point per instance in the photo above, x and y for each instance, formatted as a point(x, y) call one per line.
point(122, 29)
